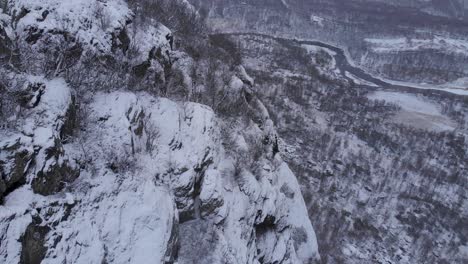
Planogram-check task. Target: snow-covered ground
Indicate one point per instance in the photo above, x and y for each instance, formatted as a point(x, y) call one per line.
point(316, 49)
point(358, 80)
point(459, 87)
point(415, 111)
point(317, 20)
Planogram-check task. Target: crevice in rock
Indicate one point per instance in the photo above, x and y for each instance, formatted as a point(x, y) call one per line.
point(120, 40)
point(70, 123)
point(197, 188)
point(173, 245)
point(267, 224)
point(261, 230)
point(14, 179)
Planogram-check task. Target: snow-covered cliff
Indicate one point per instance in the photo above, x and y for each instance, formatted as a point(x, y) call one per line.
point(105, 157)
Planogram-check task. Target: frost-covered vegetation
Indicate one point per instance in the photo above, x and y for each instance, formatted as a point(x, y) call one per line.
point(383, 173)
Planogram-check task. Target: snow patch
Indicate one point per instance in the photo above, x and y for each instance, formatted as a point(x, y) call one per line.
point(415, 111)
point(317, 20)
point(358, 80)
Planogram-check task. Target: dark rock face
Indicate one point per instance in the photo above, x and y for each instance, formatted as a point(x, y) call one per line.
point(141, 69)
point(15, 164)
point(268, 223)
point(120, 41)
point(33, 243)
point(5, 43)
point(13, 168)
point(30, 97)
point(54, 179)
point(208, 208)
point(34, 34)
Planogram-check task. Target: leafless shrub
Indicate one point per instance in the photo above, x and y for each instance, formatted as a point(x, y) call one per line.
point(97, 73)
point(133, 49)
point(217, 92)
point(6, 100)
point(239, 165)
point(100, 14)
point(175, 85)
point(226, 49)
point(228, 139)
point(323, 58)
point(12, 97)
point(152, 134)
point(119, 162)
point(248, 160)
point(174, 14)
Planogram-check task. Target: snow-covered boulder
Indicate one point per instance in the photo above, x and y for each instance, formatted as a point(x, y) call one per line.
point(103, 27)
point(33, 153)
point(91, 23)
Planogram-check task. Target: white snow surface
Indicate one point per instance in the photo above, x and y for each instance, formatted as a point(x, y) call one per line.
point(358, 80)
point(459, 86)
point(415, 111)
point(317, 19)
point(145, 37)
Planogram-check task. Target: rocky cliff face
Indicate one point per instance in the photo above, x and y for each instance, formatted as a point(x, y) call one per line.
point(119, 146)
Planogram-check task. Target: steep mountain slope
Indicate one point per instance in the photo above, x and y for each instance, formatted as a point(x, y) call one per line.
point(120, 145)
point(383, 172)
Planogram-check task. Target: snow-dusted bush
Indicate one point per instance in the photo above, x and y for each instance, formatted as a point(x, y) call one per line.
point(152, 134)
point(178, 15)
